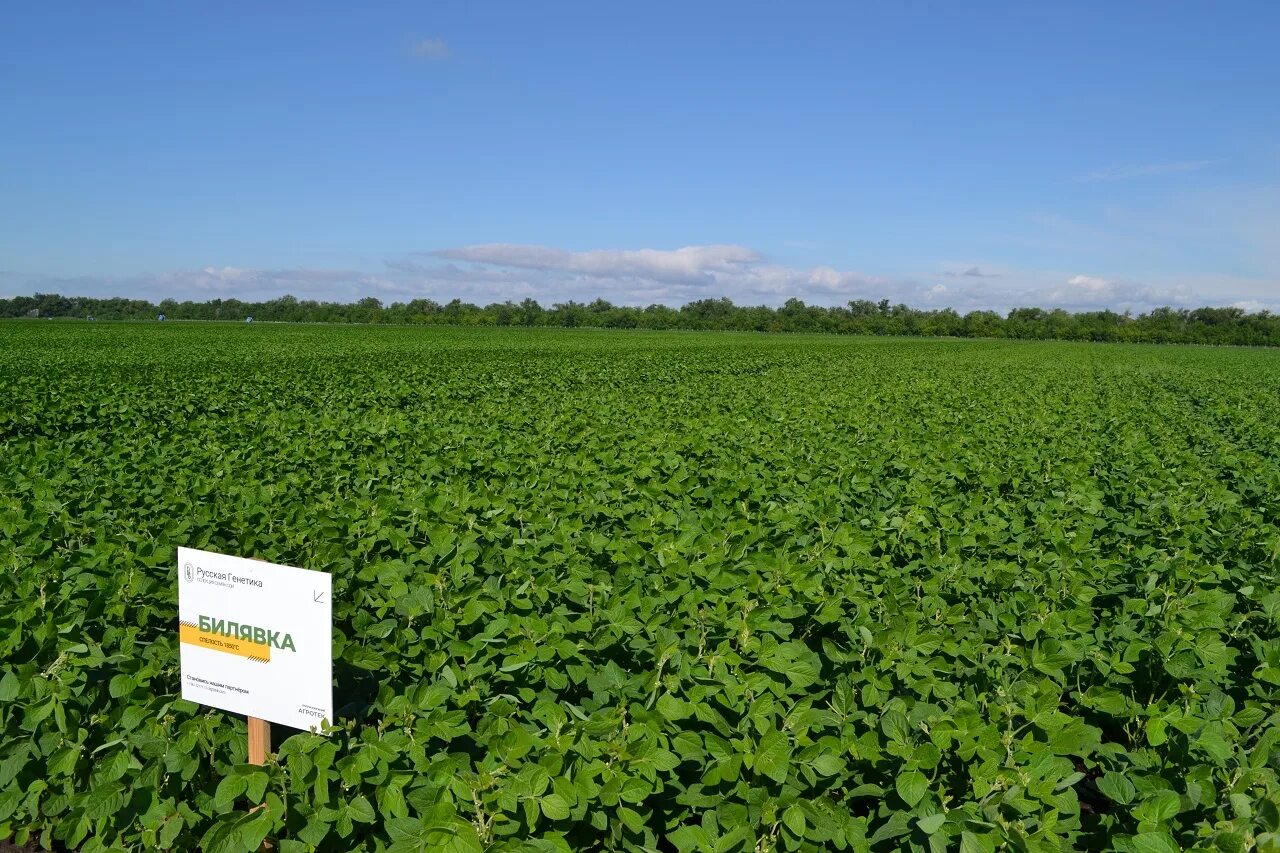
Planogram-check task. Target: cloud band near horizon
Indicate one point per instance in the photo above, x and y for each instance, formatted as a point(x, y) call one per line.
point(496, 272)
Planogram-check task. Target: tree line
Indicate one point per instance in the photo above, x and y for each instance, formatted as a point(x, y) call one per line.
point(860, 317)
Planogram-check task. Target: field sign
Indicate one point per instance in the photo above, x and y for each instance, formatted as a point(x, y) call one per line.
point(256, 638)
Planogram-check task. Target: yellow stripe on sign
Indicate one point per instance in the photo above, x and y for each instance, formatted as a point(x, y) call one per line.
point(192, 634)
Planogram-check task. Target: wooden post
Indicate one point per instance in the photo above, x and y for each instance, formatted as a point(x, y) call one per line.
point(259, 730)
point(259, 746)
point(259, 740)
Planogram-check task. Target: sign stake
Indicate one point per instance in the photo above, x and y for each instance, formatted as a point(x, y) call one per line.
point(259, 746)
point(259, 740)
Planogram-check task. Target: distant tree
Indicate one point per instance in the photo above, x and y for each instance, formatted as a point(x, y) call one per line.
point(707, 314)
point(569, 314)
point(1210, 325)
point(530, 312)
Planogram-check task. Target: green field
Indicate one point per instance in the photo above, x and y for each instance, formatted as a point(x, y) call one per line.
point(611, 590)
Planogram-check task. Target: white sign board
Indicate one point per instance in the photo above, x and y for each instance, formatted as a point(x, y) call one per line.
point(256, 638)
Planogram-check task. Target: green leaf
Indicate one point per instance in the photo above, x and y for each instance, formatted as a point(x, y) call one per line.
point(1269, 814)
point(361, 810)
point(1242, 805)
point(230, 789)
point(795, 662)
point(1159, 807)
point(315, 830)
point(460, 838)
point(63, 762)
point(1213, 742)
point(256, 786)
point(1155, 730)
point(671, 708)
point(224, 836)
point(253, 830)
point(555, 807)
point(1117, 788)
point(1154, 842)
point(631, 819)
point(793, 819)
point(827, 764)
point(911, 786)
point(898, 824)
point(895, 726)
point(773, 756)
point(408, 829)
point(9, 687)
point(105, 800)
point(689, 837)
point(932, 823)
point(391, 802)
point(169, 831)
point(115, 765)
point(1051, 656)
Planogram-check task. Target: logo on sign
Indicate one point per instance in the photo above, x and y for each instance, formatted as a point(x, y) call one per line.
point(189, 572)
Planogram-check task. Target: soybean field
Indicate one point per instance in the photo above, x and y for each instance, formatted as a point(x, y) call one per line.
point(607, 590)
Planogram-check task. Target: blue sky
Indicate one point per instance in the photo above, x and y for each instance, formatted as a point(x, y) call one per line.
point(973, 155)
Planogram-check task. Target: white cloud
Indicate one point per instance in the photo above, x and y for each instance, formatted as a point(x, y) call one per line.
point(232, 280)
point(1089, 284)
point(500, 271)
point(1145, 170)
point(630, 276)
point(1080, 292)
point(432, 49)
point(1253, 306)
point(690, 264)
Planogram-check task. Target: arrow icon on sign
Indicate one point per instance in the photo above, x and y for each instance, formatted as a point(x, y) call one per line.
point(317, 596)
